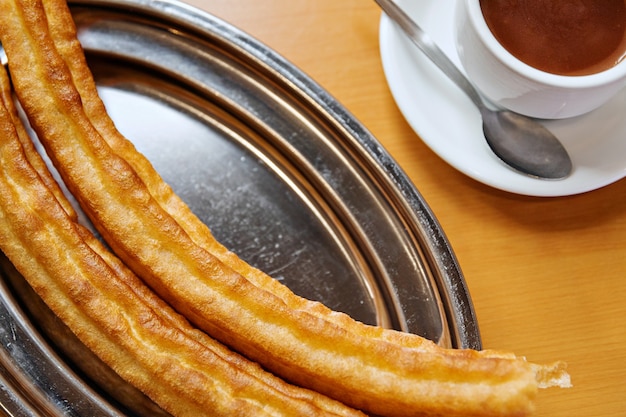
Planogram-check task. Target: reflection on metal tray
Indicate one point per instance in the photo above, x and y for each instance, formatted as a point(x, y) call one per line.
point(281, 172)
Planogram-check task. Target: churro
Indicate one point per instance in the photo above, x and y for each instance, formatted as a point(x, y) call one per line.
point(113, 313)
point(381, 371)
point(30, 151)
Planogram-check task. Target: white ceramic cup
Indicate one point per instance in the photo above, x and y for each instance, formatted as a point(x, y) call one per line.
point(510, 83)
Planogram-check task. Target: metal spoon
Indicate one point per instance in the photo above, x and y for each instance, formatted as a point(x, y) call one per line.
point(519, 141)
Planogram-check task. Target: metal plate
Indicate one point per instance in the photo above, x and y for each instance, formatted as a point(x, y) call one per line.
point(281, 172)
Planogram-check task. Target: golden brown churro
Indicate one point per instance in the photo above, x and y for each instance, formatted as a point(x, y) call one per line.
point(31, 153)
point(381, 371)
point(116, 316)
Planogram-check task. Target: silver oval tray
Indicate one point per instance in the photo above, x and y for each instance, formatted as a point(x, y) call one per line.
point(282, 173)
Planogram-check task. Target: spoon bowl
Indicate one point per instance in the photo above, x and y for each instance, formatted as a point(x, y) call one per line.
point(527, 146)
point(522, 143)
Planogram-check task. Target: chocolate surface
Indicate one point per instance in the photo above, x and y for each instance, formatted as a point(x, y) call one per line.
point(568, 37)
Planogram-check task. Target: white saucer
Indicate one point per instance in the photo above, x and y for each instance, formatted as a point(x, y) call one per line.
point(447, 121)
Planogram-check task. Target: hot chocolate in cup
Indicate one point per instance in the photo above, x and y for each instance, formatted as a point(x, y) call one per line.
point(517, 65)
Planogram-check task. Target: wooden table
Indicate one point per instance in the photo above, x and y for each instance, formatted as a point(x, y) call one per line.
point(547, 275)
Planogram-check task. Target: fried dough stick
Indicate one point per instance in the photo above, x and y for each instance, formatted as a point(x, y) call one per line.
point(63, 32)
point(381, 371)
point(30, 151)
point(115, 314)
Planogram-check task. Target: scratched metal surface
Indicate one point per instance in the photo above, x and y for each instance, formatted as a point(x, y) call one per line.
point(281, 172)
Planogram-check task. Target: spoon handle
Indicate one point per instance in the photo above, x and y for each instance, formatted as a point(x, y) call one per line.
point(426, 44)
